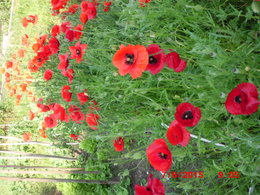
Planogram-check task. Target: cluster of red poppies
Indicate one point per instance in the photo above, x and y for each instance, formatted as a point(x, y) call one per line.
point(43, 51)
point(44, 48)
point(88, 9)
point(241, 100)
point(75, 113)
point(17, 80)
point(134, 59)
point(158, 154)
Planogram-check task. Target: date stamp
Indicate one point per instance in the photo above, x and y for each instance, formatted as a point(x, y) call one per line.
point(198, 174)
point(184, 174)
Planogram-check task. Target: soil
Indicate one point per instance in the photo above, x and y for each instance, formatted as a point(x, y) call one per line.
point(139, 170)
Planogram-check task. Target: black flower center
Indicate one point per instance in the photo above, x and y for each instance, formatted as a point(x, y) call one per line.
point(148, 189)
point(162, 155)
point(238, 99)
point(152, 60)
point(78, 52)
point(39, 60)
point(187, 115)
point(129, 59)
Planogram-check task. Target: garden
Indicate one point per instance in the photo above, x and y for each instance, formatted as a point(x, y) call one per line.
point(144, 97)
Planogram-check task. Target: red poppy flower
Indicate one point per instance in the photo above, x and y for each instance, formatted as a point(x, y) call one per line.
point(59, 112)
point(44, 108)
point(92, 120)
point(68, 73)
point(46, 51)
point(18, 99)
point(27, 136)
point(174, 62)
point(74, 137)
point(78, 31)
point(143, 2)
point(31, 115)
point(77, 51)
point(40, 43)
point(39, 60)
point(71, 10)
point(42, 39)
point(66, 95)
point(36, 47)
point(178, 134)
point(70, 35)
point(82, 97)
point(187, 114)
point(131, 59)
point(7, 77)
point(156, 59)
point(159, 155)
point(119, 144)
point(9, 64)
point(64, 61)
point(50, 121)
point(48, 75)
point(58, 4)
point(83, 17)
point(92, 12)
point(243, 99)
point(21, 53)
point(73, 108)
point(43, 133)
point(32, 67)
point(89, 8)
point(54, 45)
point(84, 6)
point(154, 187)
point(25, 22)
point(106, 9)
point(25, 41)
point(107, 5)
point(65, 26)
point(23, 87)
point(55, 30)
point(77, 116)
point(32, 19)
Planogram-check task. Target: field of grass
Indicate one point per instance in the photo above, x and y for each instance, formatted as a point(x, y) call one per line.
point(220, 42)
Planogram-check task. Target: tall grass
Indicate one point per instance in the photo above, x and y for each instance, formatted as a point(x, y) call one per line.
point(220, 42)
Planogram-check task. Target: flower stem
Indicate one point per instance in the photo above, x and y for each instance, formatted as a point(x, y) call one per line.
point(203, 139)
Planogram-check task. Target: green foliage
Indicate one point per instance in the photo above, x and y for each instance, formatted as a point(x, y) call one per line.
point(220, 42)
point(97, 161)
point(89, 145)
point(6, 109)
point(4, 10)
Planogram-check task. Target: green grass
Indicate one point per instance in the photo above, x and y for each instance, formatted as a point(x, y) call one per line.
point(220, 42)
